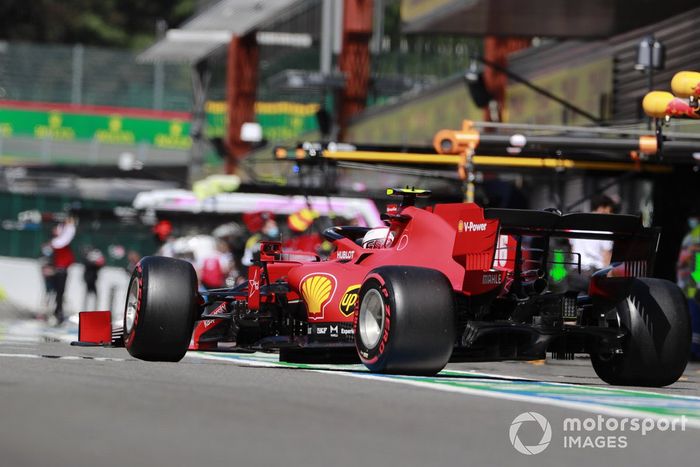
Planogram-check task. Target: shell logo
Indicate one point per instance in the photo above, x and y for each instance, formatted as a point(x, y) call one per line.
point(460, 226)
point(317, 290)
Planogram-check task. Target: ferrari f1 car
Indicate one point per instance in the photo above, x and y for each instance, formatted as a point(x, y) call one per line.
point(451, 282)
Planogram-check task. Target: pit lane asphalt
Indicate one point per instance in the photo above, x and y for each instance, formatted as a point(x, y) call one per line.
point(62, 405)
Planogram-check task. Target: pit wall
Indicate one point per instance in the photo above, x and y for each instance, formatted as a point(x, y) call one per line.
point(21, 283)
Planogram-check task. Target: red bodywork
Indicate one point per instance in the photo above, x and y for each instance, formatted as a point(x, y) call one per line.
point(455, 239)
point(95, 327)
point(292, 301)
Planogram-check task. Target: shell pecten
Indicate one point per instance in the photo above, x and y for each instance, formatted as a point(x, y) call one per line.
point(316, 290)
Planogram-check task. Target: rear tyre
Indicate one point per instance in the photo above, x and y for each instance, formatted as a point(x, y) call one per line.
point(656, 349)
point(161, 306)
point(405, 321)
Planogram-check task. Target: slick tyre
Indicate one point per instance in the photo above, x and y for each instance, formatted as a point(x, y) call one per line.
point(655, 352)
point(160, 309)
point(405, 321)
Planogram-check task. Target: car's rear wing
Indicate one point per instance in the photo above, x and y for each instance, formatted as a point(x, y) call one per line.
point(634, 246)
point(576, 225)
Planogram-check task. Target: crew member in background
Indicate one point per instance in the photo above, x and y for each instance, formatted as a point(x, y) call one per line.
point(268, 232)
point(304, 236)
point(132, 259)
point(595, 254)
point(94, 261)
point(215, 267)
point(47, 272)
point(163, 233)
point(63, 257)
point(234, 236)
point(688, 276)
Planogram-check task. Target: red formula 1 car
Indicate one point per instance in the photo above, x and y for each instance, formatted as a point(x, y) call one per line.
point(453, 282)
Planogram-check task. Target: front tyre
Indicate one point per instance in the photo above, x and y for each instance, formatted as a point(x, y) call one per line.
point(657, 347)
point(161, 306)
point(405, 321)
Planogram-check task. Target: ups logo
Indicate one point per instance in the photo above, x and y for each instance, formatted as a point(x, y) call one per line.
point(347, 303)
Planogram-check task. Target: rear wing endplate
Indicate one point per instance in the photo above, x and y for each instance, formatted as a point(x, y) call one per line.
point(95, 330)
point(634, 245)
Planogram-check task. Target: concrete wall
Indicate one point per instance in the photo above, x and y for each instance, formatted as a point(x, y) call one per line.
point(22, 284)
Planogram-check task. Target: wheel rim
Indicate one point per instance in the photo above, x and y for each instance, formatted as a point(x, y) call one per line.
point(371, 319)
point(132, 299)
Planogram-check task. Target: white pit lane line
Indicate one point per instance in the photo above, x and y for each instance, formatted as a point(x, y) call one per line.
point(596, 399)
point(609, 400)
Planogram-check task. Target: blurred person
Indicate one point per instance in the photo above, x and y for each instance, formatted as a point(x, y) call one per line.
point(215, 267)
point(234, 236)
point(63, 258)
point(132, 259)
point(595, 254)
point(47, 273)
point(268, 232)
point(305, 233)
point(163, 232)
point(94, 261)
point(300, 221)
point(688, 276)
point(687, 264)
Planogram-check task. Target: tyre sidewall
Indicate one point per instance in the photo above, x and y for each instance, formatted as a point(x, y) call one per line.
point(418, 332)
point(375, 357)
point(656, 349)
point(165, 310)
point(136, 276)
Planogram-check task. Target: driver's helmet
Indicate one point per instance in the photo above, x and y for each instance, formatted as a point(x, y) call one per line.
point(375, 238)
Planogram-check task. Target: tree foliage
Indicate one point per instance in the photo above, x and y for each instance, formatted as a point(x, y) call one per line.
point(118, 23)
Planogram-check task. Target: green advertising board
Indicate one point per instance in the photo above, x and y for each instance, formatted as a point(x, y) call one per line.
point(113, 128)
point(286, 120)
point(280, 120)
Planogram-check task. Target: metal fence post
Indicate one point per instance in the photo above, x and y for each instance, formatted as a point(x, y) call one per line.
point(159, 70)
point(45, 150)
point(77, 74)
point(158, 85)
point(142, 153)
point(94, 151)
